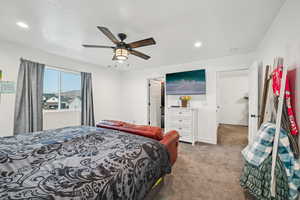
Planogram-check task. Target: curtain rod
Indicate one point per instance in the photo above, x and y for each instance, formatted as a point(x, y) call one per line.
point(53, 66)
point(63, 68)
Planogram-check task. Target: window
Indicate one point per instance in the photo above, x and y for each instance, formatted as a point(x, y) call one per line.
point(61, 90)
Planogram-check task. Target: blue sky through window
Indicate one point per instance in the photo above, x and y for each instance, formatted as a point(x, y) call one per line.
point(69, 81)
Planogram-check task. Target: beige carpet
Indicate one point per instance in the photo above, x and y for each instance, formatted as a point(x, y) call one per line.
point(232, 135)
point(208, 172)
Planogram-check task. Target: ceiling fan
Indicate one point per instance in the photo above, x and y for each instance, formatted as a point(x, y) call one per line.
point(122, 49)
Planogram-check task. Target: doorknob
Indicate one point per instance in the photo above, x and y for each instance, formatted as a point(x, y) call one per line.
point(254, 116)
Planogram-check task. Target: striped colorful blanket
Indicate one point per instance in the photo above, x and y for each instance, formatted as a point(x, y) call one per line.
point(261, 149)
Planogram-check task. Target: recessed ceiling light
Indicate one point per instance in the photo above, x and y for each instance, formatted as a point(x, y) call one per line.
point(198, 44)
point(22, 25)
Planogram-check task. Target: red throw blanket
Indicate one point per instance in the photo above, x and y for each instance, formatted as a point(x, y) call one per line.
point(277, 76)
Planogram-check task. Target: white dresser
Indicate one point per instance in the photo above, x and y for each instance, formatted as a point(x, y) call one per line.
point(183, 120)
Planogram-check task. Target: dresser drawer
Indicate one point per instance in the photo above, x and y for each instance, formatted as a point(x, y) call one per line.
point(185, 138)
point(185, 134)
point(181, 121)
point(181, 125)
point(181, 130)
point(180, 113)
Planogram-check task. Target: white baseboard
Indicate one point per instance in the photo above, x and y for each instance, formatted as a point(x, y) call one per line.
point(205, 140)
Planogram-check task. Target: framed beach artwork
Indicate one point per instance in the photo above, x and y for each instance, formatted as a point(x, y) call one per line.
point(186, 83)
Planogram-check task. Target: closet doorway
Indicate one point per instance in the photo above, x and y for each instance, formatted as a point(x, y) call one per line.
point(233, 107)
point(156, 102)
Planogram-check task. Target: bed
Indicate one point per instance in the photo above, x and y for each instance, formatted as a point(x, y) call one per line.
point(80, 163)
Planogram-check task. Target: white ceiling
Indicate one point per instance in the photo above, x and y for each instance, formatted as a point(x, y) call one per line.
point(225, 27)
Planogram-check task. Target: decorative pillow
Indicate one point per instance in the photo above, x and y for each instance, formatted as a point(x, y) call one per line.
point(147, 131)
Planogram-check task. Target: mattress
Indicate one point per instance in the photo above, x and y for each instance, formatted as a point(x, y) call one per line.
point(80, 163)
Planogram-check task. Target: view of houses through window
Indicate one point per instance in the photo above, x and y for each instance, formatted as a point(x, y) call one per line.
point(61, 90)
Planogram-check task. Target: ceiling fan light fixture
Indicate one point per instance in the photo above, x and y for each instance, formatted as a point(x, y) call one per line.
point(122, 49)
point(121, 54)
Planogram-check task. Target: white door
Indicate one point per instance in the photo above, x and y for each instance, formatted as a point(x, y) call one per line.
point(232, 102)
point(155, 103)
point(253, 102)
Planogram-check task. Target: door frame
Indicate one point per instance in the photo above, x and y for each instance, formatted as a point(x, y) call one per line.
point(148, 95)
point(255, 100)
point(218, 72)
point(217, 84)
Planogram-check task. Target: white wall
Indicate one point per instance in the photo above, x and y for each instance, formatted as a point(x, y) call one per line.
point(58, 119)
point(232, 88)
point(134, 91)
point(283, 39)
point(106, 84)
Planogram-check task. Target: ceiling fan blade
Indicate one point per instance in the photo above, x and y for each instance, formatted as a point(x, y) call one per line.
point(108, 34)
point(139, 54)
point(142, 43)
point(97, 46)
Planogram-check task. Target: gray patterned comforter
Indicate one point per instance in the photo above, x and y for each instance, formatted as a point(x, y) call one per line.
point(80, 163)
